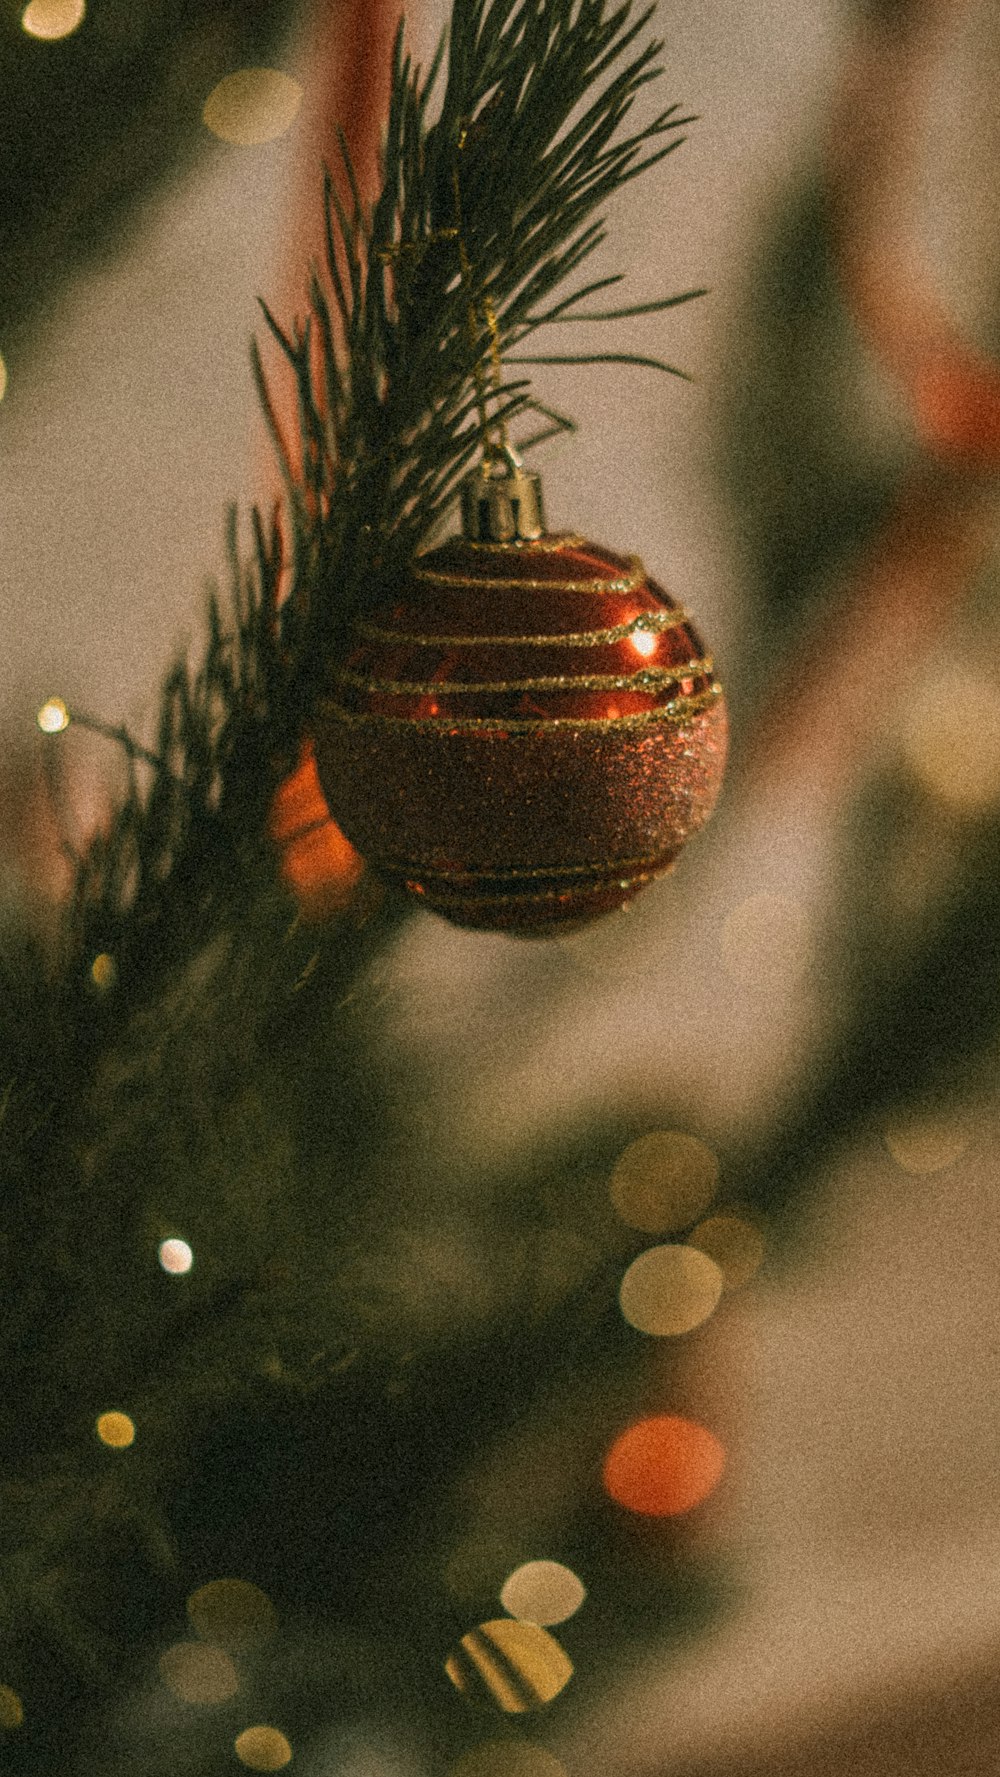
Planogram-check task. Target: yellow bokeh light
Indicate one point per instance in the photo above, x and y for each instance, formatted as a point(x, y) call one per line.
point(515, 1665)
point(53, 716)
point(508, 1758)
point(194, 1673)
point(736, 1245)
point(670, 1290)
point(925, 1143)
point(543, 1592)
point(116, 1430)
point(664, 1181)
point(52, 19)
point(176, 1257)
point(3, 377)
point(11, 1709)
point(263, 1749)
point(766, 938)
point(952, 740)
point(235, 1614)
point(104, 971)
point(252, 106)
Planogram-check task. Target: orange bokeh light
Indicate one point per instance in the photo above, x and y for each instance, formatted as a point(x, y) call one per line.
point(663, 1466)
point(318, 864)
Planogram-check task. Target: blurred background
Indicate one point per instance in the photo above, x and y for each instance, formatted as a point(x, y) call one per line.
point(815, 994)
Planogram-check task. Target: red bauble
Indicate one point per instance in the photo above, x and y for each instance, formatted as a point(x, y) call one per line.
point(524, 734)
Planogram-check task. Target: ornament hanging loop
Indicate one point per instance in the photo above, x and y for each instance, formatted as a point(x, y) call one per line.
point(501, 499)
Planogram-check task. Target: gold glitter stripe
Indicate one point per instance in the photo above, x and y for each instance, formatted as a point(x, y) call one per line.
point(604, 868)
point(549, 544)
point(679, 709)
point(649, 678)
point(647, 623)
point(635, 577)
point(536, 897)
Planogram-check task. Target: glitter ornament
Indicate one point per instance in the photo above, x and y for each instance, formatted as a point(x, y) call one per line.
point(528, 729)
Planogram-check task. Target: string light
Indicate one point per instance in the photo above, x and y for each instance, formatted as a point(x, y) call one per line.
point(176, 1257)
point(670, 1290)
point(104, 971)
point(515, 1665)
point(235, 1614)
point(53, 19)
point(263, 1749)
point(664, 1181)
point(194, 1673)
point(662, 1466)
point(11, 1709)
point(116, 1430)
point(53, 716)
point(543, 1592)
point(252, 106)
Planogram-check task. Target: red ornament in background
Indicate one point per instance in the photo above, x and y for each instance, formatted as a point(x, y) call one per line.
point(318, 864)
point(528, 730)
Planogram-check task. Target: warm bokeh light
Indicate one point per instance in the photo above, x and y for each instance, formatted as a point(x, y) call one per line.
point(104, 971)
point(252, 106)
point(662, 1466)
point(263, 1749)
point(194, 1673)
point(736, 1245)
point(923, 1142)
point(3, 377)
point(318, 864)
point(670, 1290)
point(235, 1614)
point(116, 1430)
point(766, 939)
point(53, 716)
point(664, 1181)
point(52, 19)
point(952, 739)
point(543, 1592)
point(11, 1708)
point(508, 1758)
point(644, 642)
point(176, 1257)
point(515, 1665)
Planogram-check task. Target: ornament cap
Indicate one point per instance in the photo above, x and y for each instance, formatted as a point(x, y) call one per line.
point(502, 500)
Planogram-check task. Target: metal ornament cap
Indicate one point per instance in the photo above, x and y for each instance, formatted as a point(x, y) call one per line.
point(502, 500)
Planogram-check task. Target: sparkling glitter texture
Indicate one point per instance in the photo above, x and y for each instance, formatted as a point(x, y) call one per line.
point(524, 734)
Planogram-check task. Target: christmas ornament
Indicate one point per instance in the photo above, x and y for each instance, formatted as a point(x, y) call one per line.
point(527, 730)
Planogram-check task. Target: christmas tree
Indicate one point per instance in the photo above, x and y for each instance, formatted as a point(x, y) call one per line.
point(321, 1441)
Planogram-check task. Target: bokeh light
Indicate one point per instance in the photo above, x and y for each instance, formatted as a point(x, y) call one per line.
point(543, 1592)
point(663, 1466)
point(664, 1181)
point(53, 716)
point(104, 971)
point(670, 1290)
point(52, 19)
point(734, 1242)
point(508, 1758)
point(3, 377)
point(252, 106)
point(116, 1430)
point(11, 1709)
point(194, 1673)
point(176, 1257)
point(951, 741)
point(922, 1142)
point(234, 1614)
point(644, 642)
point(514, 1665)
point(766, 939)
point(263, 1749)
